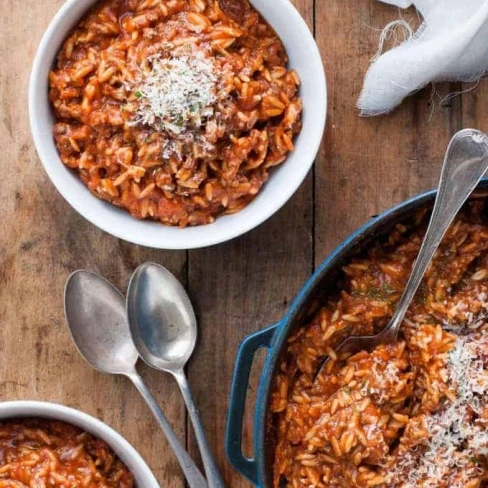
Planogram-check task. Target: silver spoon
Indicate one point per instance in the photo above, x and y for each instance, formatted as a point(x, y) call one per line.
point(465, 163)
point(95, 312)
point(164, 330)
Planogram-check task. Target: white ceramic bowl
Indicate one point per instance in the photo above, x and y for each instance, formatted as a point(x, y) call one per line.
point(282, 184)
point(126, 453)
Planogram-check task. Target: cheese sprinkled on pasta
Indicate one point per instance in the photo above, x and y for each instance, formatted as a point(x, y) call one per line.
point(179, 96)
point(456, 441)
point(178, 93)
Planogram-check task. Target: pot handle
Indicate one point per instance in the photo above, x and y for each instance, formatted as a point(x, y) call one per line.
point(240, 383)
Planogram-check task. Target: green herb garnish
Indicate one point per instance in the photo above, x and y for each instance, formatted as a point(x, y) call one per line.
point(380, 293)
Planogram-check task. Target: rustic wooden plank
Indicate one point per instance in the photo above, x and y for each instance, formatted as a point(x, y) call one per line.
point(365, 166)
point(368, 164)
point(474, 106)
point(238, 288)
point(42, 241)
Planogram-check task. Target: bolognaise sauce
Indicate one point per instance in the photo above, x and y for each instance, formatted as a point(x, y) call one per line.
point(36, 453)
point(174, 110)
point(413, 414)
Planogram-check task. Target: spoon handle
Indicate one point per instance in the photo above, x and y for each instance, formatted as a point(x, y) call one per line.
point(211, 471)
point(192, 473)
point(465, 163)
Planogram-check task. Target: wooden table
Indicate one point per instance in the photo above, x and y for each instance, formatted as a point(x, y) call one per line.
point(364, 167)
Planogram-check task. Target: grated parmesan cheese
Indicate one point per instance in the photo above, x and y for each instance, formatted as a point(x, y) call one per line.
point(455, 440)
point(383, 380)
point(177, 97)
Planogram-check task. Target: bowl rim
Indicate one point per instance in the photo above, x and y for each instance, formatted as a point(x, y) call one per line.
point(178, 238)
point(127, 453)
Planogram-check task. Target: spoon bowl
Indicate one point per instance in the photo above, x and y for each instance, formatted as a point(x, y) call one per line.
point(164, 330)
point(91, 301)
point(163, 323)
point(95, 313)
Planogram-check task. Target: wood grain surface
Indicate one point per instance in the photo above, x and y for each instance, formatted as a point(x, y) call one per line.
point(364, 167)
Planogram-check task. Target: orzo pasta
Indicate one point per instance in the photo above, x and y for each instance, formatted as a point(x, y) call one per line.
point(37, 453)
point(173, 110)
point(412, 414)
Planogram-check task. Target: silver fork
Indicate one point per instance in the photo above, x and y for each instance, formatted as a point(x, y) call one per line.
point(465, 163)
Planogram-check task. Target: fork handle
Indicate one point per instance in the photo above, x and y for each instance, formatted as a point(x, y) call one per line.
point(465, 163)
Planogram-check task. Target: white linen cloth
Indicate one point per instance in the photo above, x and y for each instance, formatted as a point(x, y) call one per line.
point(450, 45)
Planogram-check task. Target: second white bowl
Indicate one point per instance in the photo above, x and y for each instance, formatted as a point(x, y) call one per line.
point(125, 452)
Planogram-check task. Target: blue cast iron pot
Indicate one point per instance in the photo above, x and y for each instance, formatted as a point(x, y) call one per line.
point(274, 338)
